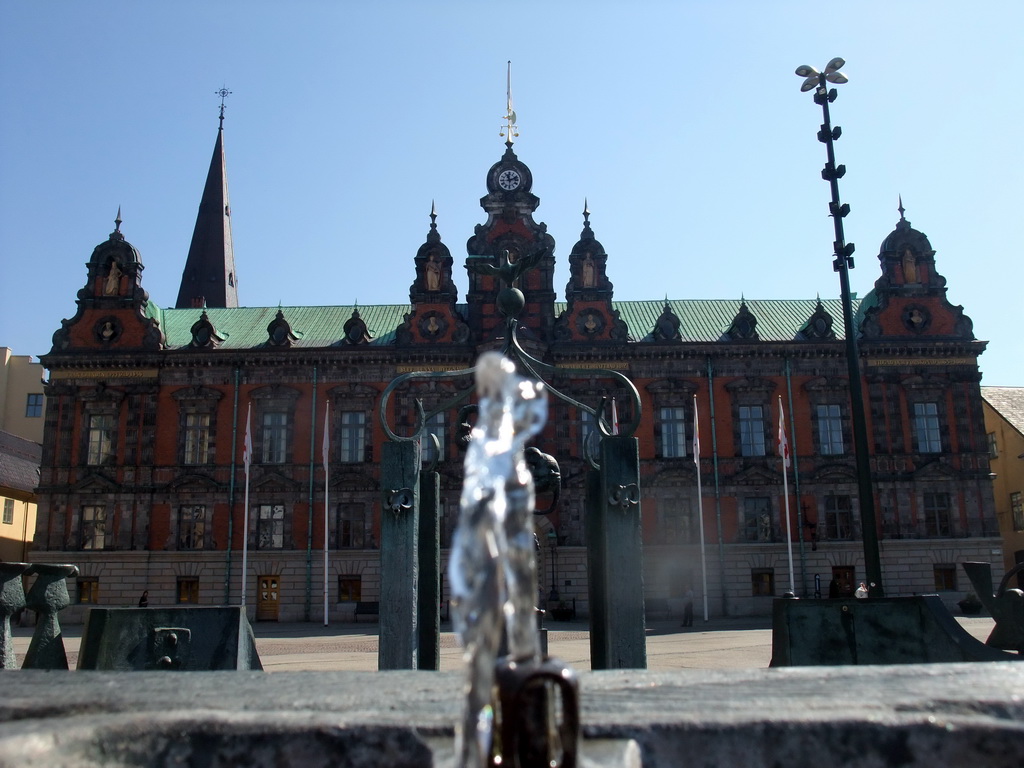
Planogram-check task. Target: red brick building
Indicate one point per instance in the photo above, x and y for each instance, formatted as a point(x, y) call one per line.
point(142, 480)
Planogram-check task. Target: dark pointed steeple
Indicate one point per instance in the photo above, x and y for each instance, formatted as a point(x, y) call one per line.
point(209, 277)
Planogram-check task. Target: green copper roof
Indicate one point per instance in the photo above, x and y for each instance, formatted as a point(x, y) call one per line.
point(708, 319)
point(702, 320)
point(246, 327)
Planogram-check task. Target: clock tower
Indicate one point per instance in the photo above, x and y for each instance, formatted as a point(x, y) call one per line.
point(509, 204)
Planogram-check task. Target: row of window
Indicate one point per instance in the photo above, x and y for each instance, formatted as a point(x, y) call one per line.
point(187, 590)
point(354, 527)
point(753, 430)
point(677, 522)
point(350, 589)
point(350, 443)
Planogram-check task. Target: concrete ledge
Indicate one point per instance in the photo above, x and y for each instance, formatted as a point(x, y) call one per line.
point(909, 715)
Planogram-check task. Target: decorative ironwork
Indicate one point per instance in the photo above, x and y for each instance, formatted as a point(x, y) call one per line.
point(624, 496)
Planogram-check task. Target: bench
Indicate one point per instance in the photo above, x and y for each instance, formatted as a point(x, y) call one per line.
point(366, 608)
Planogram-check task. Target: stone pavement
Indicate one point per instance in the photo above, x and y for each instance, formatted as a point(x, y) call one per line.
point(722, 643)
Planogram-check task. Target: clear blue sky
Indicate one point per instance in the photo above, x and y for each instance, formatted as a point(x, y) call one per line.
point(681, 122)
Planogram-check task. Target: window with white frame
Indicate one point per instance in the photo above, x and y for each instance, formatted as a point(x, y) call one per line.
point(270, 526)
point(926, 427)
point(676, 522)
point(197, 438)
point(830, 429)
point(672, 426)
point(94, 527)
point(1017, 510)
point(352, 527)
point(838, 517)
point(352, 436)
point(937, 514)
point(191, 526)
point(8, 511)
point(275, 437)
point(101, 439)
point(993, 446)
point(757, 522)
point(752, 441)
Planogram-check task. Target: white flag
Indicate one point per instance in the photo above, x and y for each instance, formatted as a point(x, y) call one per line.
point(696, 435)
point(615, 418)
point(783, 442)
point(247, 451)
point(327, 435)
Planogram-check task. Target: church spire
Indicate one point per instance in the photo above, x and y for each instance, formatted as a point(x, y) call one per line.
point(209, 278)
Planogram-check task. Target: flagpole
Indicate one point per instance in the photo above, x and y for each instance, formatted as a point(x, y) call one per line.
point(700, 511)
point(247, 460)
point(784, 454)
point(327, 506)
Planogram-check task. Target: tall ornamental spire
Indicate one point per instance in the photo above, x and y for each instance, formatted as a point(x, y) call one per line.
point(209, 278)
point(510, 130)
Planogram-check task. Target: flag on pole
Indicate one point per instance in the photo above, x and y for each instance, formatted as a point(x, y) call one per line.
point(327, 435)
point(247, 451)
point(696, 435)
point(615, 418)
point(783, 442)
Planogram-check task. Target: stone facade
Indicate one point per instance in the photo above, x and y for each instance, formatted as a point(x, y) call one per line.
point(144, 471)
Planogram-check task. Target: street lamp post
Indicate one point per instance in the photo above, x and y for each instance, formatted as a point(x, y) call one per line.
point(817, 81)
point(552, 543)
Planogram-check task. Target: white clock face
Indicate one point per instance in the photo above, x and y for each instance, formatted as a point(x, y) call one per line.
point(509, 179)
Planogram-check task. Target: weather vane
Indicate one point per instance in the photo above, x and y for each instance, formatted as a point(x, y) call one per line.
point(510, 130)
point(223, 93)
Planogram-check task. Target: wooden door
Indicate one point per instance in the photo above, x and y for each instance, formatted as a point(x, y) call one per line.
point(267, 598)
point(846, 576)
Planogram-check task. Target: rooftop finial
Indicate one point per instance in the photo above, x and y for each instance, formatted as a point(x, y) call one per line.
point(510, 129)
point(900, 208)
point(223, 93)
point(433, 215)
point(117, 221)
point(586, 213)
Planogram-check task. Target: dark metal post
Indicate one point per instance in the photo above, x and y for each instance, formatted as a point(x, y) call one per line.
point(843, 264)
point(428, 599)
point(399, 567)
point(617, 636)
point(553, 542)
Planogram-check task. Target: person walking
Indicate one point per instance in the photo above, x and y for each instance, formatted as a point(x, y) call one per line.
point(688, 607)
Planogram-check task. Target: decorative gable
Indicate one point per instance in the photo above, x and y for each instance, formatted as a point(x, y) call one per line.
point(112, 305)
point(744, 325)
point(909, 298)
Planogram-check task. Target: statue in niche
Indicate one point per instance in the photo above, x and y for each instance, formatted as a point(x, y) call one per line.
point(909, 266)
point(589, 278)
point(433, 273)
point(764, 528)
point(113, 282)
point(493, 569)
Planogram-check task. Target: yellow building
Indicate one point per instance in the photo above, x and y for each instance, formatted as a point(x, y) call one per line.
point(22, 415)
point(1004, 422)
point(22, 403)
point(19, 476)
